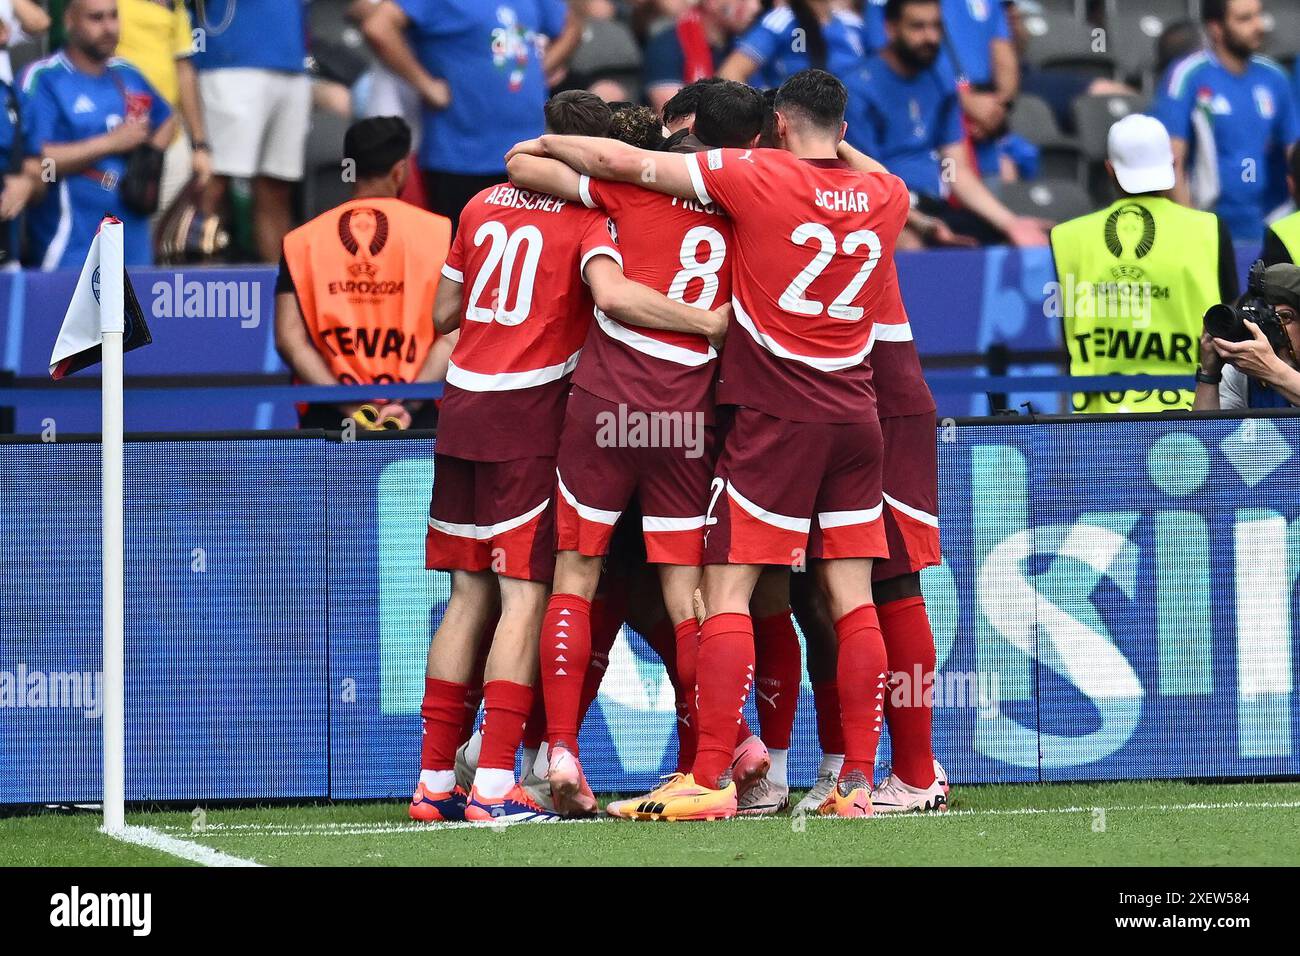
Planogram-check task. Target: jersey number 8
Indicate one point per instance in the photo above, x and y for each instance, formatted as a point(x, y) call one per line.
point(692, 268)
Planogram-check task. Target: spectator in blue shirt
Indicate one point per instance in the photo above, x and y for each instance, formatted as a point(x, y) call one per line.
point(1232, 118)
point(84, 111)
point(251, 57)
point(20, 169)
point(978, 49)
point(693, 46)
point(480, 69)
point(797, 36)
point(905, 111)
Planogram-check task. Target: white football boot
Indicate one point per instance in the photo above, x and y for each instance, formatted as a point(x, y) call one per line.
point(467, 760)
point(763, 799)
point(941, 776)
point(814, 798)
point(894, 796)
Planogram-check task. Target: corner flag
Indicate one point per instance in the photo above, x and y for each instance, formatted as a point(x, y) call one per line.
point(104, 320)
point(95, 302)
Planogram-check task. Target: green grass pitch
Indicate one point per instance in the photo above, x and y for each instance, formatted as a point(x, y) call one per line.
point(1123, 824)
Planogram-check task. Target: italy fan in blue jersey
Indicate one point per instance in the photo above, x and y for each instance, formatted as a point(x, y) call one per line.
point(802, 34)
point(1233, 120)
point(85, 111)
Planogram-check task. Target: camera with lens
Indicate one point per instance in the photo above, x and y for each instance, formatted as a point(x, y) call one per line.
point(1228, 322)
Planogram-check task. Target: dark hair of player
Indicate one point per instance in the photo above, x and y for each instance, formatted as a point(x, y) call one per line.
point(637, 126)
point(673, 143)
point(815, 96)
point(377, 144)
point(1214, 11)
point(577, 113)
point(767, 138)
point(894, 8)
point(729, 114)
point(812, 32)
point(686, 100)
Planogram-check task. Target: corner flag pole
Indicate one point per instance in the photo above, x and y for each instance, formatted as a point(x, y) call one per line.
point(104, 321)
point(112, 327)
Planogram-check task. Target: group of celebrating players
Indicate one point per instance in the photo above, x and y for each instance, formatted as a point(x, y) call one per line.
point(593, 293)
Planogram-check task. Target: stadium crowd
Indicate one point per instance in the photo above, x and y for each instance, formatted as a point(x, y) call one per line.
point(211, 128)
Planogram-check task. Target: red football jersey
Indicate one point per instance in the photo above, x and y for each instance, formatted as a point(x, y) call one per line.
point(519, 256)
point(676, 247)
point(895, 365)
point(814, 242)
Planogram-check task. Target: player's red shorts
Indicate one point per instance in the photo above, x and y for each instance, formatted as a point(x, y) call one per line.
point(911, 483)
point(608, 454)
point(789, 491)
point(492, 516)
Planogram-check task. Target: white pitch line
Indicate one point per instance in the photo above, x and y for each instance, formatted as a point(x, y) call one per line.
point(194, 852)
point(380, 828)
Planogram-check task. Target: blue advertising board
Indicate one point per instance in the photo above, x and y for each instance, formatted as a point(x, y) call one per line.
point(1117, 600)
point(221, 322)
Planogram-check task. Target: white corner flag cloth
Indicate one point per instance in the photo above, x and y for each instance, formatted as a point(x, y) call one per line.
point(103, 302)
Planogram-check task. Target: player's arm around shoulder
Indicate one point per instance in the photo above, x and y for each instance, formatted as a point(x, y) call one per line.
point(602, 158)
point(634, 304)
point(539, 174)
point(859, 160)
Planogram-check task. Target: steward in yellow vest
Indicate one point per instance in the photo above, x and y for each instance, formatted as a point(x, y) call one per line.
point(1282, 239)
point(1134, 280)
point(1284, 235)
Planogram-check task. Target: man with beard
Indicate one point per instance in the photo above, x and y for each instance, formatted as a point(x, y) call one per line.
point(905, 111)
point(85, 112)
point(1232, 118)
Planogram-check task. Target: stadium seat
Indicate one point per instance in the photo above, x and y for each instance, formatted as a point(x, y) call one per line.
point(1167, 10)
point(1283, 41)
point(1055, 199)
point(1064, 41)
point(1095, 115)
point(1034, 120)
point(1058, 153)
point(1131, 39)
point(322, 185)
point(327, 20)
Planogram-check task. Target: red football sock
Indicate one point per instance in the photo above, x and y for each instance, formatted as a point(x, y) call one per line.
point(474, 689)
point(535, 726)
point(441, 711)
point(473, 697)
point(686, 640)
point(724, 672)
point(565, 653)
point(861, 675)
point(830, 731)
point(909, 646)
point(606, 619)
point(743, 730)
point(508, 705)
point(778, 669)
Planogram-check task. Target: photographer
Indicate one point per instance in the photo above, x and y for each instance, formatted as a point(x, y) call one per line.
point(1249, 351)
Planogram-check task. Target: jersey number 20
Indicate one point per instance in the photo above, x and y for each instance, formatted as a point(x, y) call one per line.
point(501, 255)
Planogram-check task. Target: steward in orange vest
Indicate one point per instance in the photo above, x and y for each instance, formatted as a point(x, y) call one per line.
point(354, 298)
